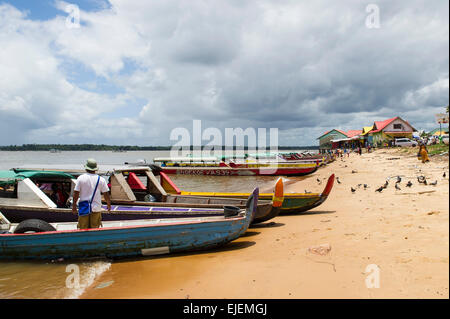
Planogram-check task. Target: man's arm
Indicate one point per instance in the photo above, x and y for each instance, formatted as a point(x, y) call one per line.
point(108, 201)
point(76, 195)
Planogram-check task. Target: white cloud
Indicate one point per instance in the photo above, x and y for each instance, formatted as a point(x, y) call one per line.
point(304, 67)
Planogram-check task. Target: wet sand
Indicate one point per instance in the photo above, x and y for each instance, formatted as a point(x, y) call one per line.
point(405, 233)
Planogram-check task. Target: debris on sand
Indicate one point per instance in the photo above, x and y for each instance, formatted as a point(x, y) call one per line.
point(322, 250)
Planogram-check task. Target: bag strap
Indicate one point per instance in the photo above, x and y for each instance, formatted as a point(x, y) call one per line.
point(92, 198)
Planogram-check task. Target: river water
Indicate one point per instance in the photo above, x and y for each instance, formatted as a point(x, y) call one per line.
point(54, 279)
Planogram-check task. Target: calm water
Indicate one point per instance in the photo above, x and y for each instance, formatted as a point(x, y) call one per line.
point(48, 279)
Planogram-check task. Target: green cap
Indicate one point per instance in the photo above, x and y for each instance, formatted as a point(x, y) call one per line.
point(91, 165)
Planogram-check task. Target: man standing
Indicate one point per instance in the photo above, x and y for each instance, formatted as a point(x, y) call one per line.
point(84, 189)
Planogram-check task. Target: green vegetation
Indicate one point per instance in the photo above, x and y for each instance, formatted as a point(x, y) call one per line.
point(437, 149)
point(80, 147)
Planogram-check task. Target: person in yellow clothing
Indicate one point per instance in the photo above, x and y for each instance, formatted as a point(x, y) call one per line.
point(423, 153)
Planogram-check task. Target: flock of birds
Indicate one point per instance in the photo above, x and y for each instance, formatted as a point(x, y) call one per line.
point(420, 179)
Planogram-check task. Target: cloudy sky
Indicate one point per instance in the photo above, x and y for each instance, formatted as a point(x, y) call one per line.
point(131, 71)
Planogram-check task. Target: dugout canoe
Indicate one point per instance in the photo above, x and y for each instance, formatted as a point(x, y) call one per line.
point(23, 199)
point(291, 203)
point(123, 238)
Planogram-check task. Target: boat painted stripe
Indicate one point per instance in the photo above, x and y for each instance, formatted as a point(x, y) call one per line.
point(267, 195)
point(201, 221)
point(155, 251)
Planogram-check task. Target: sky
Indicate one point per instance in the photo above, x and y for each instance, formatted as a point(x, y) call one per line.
point(129, 72)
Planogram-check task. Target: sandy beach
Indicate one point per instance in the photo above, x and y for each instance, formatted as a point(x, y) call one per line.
point(402, 233)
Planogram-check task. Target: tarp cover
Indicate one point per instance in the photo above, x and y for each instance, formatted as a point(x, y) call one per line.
point(10, 177)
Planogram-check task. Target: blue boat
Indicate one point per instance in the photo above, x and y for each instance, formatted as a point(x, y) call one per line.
point(126, 238)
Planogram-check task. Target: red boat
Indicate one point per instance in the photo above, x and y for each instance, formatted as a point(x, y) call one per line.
point(241, 171)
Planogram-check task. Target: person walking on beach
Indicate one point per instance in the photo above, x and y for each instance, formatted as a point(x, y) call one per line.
point(88, 189)
point(423, 153)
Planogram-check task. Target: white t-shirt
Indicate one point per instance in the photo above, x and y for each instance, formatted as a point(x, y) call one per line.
point(86, 184)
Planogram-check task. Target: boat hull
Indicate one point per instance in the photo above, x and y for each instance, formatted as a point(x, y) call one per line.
point(136, 240)
point(292, 202)
point(225, 171)
point(122, 212)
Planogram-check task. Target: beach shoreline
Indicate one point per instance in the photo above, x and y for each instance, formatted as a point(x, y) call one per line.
point(402, 234)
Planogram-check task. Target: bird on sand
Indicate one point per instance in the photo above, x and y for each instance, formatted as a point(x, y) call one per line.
point(337, 180)
point(353, 190)
point(365, 186)
point(409, 184)
point(397, 187)
point(434, 183)
point(319, 181)
point(399, 179)
point(385, 184)
point(380, 189)
point(443, 175)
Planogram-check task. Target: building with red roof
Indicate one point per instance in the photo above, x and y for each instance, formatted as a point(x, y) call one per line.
point(388, 130)
point(381, 132)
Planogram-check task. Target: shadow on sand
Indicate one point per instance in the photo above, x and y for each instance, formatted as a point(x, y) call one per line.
point(267, 225)
point(316, 212)
point(227, 247)
point(250, 233)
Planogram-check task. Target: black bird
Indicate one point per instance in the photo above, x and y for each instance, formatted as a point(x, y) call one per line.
point(319, 181)
point(443, 175)
point(434, 183)
point(422, 179)
point(365, 186)
point(397, 187)
point(385, 184)
point(337, 180)
point(399, 179)
point(379, 189)
point(409, 184)
point(353, 190)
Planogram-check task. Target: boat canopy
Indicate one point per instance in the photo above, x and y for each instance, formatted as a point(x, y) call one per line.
point(12, 176)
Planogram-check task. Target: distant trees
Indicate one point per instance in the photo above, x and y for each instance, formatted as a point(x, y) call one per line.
point(80, 147)
point(103, 147)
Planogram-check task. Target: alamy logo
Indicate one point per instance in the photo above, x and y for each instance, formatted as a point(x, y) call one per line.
point(236, 139)
point(73, 19)
point(373, 19)
point(373, 277)
point(73, 279)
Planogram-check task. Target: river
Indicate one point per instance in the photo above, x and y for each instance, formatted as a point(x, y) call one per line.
point(52, 279)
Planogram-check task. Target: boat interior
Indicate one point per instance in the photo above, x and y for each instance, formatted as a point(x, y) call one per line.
point(128, 186)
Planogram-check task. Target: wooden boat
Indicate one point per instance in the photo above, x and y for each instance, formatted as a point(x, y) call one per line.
point(291, 203)
point(236, 162)
point(279, 159)
point(27, 201)
point(124, 238)
point(228, 170)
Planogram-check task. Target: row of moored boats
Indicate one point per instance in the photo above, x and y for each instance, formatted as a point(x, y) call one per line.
point(150, 215)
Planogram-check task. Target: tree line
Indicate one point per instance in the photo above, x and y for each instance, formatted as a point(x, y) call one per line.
point(104, 147)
